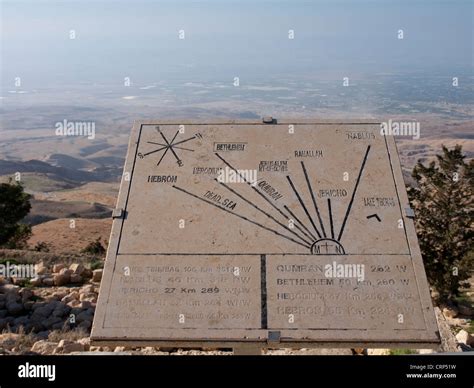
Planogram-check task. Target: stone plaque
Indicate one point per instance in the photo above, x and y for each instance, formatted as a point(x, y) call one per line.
point(282, 233)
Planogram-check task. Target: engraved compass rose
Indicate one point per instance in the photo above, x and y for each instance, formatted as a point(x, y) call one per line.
point(169, 146)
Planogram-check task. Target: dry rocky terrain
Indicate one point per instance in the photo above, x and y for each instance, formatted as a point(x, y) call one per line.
point(60, 237)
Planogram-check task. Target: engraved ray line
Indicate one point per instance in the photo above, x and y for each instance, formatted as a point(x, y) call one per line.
point(242, 217)
point(162, 156)
point(261, 194)
point(264, 212)
point(169, 145)
point(313, 198)
point(297, 219)
point(330, 218)
point(164, 138)
point(354, 193)
point(263, 292)
point(183, 141)
point(174, 153)
point(152, 152)
point(179, 148)
point(303, 205)
point(164, 148)
point(182, 148)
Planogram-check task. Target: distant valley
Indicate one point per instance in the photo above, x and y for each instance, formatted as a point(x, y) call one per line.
point(73, 177)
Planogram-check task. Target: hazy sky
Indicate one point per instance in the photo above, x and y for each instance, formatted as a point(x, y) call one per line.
point(223, 39)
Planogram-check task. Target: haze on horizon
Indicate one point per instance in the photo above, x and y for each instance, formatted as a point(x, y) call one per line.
point(139, 39)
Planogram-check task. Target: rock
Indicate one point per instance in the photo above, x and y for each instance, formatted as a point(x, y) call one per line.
point(19, 281)
point(58, 267)
point(66, 271)
point(44, 347)
point(58, 326)
point(12, 297)
point(78, 269)
point(51, 298)
point(60, 293)
point(119, 349)
point(448, 341)
point(97, 275)
point(60, 279)
point(9, 340)
point(85, 304)
point(26, 294)
point(426, 351)
point(28, 305)
point(43, 309)
point(87, 288)
point(14, 308)
point(450, 312)
point(464, 337)
point(74, 303)
point(465, 310)
point(86, 325)
point(43, 334)
point(9, 289)
point(36, 281)
point(40, 268)
point(60, 310)
point(86, 315)
point(76, 278)
point(87, 273)
point(89, 296)
point(66, 346)
point(48, 281)
point(70, 297)
point(21, 321)
point(86, 342)
point(51, 321)
point(5, 323)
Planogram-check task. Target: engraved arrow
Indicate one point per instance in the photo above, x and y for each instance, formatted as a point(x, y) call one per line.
point(374, 216)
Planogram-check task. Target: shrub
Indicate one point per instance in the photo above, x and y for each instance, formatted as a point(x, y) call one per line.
point(443, 203)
